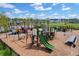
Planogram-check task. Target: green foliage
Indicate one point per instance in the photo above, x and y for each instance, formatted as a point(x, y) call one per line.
point(5, 51)
point(4, 20)
point(67, 25)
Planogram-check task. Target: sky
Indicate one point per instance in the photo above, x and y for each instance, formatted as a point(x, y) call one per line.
point(40, 10)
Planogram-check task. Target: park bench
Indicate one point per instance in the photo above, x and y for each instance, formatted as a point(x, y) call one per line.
point(71, 41)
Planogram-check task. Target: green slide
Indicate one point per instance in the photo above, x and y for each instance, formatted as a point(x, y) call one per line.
point(43, 40)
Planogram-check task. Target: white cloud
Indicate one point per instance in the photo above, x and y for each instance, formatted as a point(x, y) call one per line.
point(18, 11)
point(34, 16)
point(54, 4)
point(7, 13)
point(36, 4)
point(6, 5)
point(73, 16)
point(63, 17)
point(65, 8)
point(40, 7)
point(27, 14)
point(56, 16)
point(42, 14)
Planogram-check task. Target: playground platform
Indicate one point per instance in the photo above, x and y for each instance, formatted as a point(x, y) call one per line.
point(61, 49)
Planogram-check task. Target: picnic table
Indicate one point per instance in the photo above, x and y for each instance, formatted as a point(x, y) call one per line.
point(71, 40)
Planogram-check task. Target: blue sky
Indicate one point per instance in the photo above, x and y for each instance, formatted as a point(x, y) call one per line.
point(40, 10)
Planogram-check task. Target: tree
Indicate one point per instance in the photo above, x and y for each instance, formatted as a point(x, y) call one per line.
point(4, 21)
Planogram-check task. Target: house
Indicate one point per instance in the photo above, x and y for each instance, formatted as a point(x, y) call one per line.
point(55, 20)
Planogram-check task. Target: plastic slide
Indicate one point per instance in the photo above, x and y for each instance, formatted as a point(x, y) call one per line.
point(43, 40)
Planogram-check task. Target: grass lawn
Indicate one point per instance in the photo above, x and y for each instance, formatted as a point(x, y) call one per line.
point(70, 25)
point(5, 51)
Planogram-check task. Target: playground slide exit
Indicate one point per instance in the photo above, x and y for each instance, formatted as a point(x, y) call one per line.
point(43, 40)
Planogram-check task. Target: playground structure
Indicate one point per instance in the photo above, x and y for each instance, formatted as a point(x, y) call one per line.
point(19, 29)
point(41, 44)
point(19, 46)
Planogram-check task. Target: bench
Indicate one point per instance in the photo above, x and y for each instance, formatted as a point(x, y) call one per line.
point(71, 40)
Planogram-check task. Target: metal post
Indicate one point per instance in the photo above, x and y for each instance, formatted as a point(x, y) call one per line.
point(18, 36)
point(37, 38)
point(26, 38)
